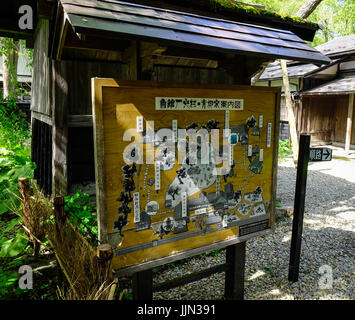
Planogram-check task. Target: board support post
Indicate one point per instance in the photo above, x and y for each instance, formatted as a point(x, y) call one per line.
point(234, 279)
point(298, 211)
point(142, 285)
point(104, 260)
point(59, 215)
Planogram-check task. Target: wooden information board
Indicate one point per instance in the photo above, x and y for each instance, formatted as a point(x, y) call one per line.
point(180, 167)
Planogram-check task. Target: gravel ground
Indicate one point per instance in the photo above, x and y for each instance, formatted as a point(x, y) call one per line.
point(328, 244)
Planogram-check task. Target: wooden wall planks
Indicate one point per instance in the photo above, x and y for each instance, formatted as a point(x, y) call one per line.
point(41, 85)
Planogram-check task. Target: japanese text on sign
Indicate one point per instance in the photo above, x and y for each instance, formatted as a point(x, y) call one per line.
point(171, 103)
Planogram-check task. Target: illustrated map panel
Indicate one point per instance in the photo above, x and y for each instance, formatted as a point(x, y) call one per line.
point(185, 168)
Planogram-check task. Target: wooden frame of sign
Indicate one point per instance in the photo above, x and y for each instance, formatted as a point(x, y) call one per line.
point(165, 210)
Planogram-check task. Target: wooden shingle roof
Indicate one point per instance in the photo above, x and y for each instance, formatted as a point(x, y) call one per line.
point(133, 21)
point(338, 46)
point(338, 86)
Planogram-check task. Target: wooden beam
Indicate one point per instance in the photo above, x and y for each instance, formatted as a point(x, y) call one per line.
point(89, 42)
point(42, 117)
point(195, 276)
point(45, 9)
point(349, 123)
point(60, 129)
point(130, 57)
point(81, 121)
point(60, 33)
point(128, 271)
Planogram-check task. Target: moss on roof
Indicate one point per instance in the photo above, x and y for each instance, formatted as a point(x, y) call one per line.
point(230, 7)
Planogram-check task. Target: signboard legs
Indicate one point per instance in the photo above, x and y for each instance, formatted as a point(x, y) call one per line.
point(142, 281)
point(234, 280)
point(298, 211)
point(142, 285)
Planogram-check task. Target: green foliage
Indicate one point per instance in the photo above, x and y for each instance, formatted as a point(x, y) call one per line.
point(14, 128)
point(335, 17)
point(212, 253)
point(10, 247)
point(13, 165)
point(82, 214)
point(9, 279)
point(284, 149)
point(15, 154)
point(270, 269)
point(9, 48)
point(13, 247)
point(230, 7)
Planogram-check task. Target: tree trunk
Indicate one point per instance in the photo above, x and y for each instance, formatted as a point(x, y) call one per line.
point(303, 13)
point(257, 76)
point(10, 60)
point(290, 114)
point(308, 7)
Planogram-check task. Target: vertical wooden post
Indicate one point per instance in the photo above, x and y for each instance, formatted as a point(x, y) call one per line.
point(59, 211)
point(298, 211)
point(60, 128)
point(104, 261)
point(234, 280)
point(289, 107)
point(142, 285)
point(349, 123)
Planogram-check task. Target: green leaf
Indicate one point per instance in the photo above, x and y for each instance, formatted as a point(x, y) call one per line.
point(4, 206)
point(11, 225)
point(14, 246)
point(3, 240)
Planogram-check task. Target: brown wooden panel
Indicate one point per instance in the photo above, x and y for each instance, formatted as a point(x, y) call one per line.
point(116, 105)
point(79, 74)
point(41, 83)
point(179, 74)
point(318, 118)
point(342, 105)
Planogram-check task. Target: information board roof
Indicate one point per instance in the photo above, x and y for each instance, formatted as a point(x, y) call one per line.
point(133, 21)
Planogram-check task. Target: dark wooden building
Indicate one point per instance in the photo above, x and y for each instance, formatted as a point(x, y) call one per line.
point(178, 41)
point(323, 95)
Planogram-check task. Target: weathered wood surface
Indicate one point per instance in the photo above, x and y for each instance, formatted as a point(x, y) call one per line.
point(340, 117)
point(193, 75)
point(349, 122)
point(104, 263)
point(60, 128)
point(41, 83)
point(190, 277)
point(234, 279)
point(149, 23)
point(120, 107)
point(128, 271)
point(142, 285)
point(41, 154)
point(78, 76)
point(318, 118)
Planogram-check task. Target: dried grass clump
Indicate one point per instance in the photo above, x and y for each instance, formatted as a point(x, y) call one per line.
point(75, 255)
point(33, 212)
point(98, 292)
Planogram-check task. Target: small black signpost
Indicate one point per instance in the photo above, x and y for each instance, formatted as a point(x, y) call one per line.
point(305, 155)
point(320, 154)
